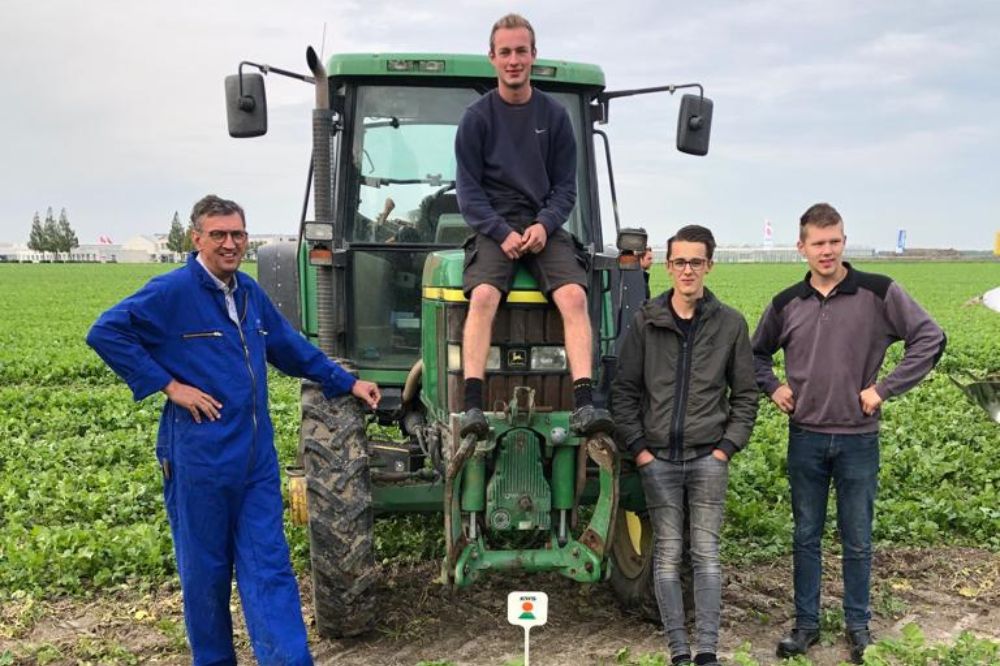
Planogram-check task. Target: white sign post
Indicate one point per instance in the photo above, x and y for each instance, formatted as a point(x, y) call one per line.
point(527, 609)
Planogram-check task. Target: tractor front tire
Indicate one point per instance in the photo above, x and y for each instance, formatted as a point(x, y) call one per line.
point(632, 564)
point(339, 498)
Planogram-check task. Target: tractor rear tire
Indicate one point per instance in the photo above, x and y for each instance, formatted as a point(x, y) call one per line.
point(339, 500)
point(632, 564)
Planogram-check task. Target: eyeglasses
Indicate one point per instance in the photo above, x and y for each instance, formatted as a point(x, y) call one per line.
point(219, 236)
point(696, 264)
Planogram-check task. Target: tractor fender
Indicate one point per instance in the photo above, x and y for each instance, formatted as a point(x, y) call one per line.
point(278, 275)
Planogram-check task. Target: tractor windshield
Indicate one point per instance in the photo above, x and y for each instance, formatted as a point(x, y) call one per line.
point(403, 157)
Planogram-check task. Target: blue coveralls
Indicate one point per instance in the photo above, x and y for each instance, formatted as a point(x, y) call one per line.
point(221, 483)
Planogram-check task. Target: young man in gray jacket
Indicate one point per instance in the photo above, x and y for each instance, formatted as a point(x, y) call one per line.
point(834, 328)
point(685, 402)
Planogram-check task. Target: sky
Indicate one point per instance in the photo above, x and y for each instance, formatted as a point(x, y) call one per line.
point(890, 111)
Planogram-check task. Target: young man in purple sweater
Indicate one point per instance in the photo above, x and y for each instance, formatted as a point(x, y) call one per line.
point(834, 328)
point(516, 185)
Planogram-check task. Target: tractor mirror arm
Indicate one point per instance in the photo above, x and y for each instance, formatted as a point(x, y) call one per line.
point(604, 98)
point(267, 69)
point(670, 88)
point(246, 104)
point(694, 123)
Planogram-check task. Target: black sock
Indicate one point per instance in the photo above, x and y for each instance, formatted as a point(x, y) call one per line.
point(704, 658)
point(473, 393)
point(582, 395)
point(680, 658)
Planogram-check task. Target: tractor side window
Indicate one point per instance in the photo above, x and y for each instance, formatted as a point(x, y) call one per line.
point(575, 224)
point(385, 322)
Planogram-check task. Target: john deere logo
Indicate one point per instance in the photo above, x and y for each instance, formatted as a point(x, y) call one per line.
point(517, 358)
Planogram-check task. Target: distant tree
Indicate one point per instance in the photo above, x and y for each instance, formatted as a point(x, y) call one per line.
point(50, 232)
point(36, 241)
point(66, 238)
point(188, 243)
point(175, 239)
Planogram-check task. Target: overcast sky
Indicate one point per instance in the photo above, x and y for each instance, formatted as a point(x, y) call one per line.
point(888, 110)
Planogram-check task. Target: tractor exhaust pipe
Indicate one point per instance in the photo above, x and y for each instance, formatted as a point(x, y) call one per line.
point(327, 284)
point(319, 74)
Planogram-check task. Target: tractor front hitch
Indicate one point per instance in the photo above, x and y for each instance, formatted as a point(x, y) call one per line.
point(580, 559)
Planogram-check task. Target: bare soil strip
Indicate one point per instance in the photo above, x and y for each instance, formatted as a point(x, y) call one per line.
point(944, 590)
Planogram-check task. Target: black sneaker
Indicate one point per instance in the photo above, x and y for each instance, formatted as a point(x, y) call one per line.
point(797, 642)
point(474, 423)
point(859, 639)
point(588, 420)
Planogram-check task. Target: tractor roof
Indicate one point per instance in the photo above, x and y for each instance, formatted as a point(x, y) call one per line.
point(455, 65)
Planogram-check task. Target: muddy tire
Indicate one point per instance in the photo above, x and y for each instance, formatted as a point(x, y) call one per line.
point(338, 487)
point(632, 565)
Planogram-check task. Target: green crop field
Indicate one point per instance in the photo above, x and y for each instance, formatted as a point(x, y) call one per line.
point(80, 506)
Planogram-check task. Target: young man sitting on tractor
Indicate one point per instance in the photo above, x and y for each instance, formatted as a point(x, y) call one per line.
point(516, 185)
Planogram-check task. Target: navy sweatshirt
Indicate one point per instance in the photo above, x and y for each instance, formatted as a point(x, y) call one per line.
point(516, 164)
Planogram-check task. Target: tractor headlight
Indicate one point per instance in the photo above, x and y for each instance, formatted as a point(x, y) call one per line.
point(318, 231)
point(493, 359)
point(548, 358)
point(455, 358)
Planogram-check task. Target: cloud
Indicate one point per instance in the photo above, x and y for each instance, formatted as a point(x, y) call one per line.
point(115, 109)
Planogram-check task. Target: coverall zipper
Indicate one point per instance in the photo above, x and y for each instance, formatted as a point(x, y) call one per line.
point(253, 382)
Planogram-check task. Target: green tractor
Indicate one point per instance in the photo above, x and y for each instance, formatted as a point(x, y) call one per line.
point(375, 280)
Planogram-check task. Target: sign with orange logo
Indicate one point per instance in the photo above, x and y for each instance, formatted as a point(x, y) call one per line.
point(527, 609)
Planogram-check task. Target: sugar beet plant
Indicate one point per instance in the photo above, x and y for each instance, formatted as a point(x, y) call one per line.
point(80, 492)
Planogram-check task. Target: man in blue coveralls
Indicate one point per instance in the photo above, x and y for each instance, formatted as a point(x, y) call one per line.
point(203, 335)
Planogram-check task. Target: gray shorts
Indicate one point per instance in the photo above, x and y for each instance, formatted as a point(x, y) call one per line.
point(562, 261)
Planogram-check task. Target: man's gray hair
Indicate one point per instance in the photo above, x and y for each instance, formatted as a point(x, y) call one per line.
point(213, 206)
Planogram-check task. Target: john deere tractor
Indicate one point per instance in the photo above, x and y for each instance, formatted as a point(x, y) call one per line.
point(375, 280)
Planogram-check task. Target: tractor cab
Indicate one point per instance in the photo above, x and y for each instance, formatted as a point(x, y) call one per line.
point(392, 200)
point(399, 206)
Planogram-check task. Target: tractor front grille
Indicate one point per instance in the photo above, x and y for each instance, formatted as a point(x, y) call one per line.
point(517, 329)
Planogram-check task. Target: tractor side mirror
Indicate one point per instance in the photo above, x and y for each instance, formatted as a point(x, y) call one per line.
point(246, 105)
point(694, 124)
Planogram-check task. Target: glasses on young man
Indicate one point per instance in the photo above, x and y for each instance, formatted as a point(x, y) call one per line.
point(696, 264)
point(219, 236)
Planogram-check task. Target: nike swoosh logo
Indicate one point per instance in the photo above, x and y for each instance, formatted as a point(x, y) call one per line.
point(541, 131)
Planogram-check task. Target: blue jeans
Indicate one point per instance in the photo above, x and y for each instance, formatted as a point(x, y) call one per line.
point(852, 462)
point(664, 483)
